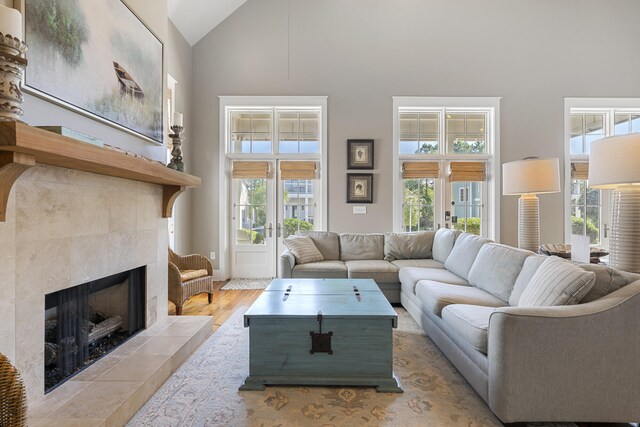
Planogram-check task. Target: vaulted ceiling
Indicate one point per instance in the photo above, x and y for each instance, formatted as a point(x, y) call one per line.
point(196, 18)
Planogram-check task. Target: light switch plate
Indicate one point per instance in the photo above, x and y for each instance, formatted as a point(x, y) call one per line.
point(359, 209)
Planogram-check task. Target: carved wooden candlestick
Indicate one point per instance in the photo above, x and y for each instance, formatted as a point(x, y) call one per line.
point(12, 66)
point(176, 154)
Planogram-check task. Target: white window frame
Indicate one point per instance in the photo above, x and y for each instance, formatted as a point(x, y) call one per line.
point(607, 106)
point(492, 155)
point(275, 104)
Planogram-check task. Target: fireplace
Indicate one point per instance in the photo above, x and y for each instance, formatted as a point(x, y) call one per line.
point(85, 322)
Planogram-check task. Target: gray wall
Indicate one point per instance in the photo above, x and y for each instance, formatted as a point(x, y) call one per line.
point(179, 60)
point(360, 53)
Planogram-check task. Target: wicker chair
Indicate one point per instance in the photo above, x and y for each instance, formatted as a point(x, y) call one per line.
point(13, 401)
point(186, 278)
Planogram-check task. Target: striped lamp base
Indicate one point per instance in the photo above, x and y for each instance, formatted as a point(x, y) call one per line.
point(624, 240)
point(528, 222)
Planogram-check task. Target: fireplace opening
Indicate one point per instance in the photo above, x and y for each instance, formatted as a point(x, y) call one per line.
point(85, 322)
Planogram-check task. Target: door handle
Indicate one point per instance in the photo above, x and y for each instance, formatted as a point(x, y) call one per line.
point(278, 230)
point(270, 228)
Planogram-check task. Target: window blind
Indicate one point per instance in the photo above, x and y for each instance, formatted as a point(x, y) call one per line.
point(580, 170)
point(243, 170)
point(297, 170)
point(467, 171)
point(412, 170)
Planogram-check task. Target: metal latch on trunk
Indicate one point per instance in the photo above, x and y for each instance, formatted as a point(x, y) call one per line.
point(320, 343)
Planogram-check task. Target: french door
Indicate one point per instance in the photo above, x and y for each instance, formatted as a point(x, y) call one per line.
point(430, 203)
point(252, 239)
point(268, 209)
point(272, 182)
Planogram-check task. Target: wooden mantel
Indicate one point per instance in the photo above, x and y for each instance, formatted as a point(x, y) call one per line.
point(23, 146)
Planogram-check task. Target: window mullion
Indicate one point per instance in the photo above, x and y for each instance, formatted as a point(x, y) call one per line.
point(442, 138)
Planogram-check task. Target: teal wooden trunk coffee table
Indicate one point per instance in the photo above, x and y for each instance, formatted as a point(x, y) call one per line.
point(327, 332)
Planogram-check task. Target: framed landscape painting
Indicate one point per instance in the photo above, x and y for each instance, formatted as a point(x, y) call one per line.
point(360, 188)
point(98, 58)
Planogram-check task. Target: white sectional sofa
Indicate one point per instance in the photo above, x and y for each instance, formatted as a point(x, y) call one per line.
point(493, 311)
point(364, 256)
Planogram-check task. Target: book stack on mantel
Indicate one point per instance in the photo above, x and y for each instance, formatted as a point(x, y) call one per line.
point(61, 130)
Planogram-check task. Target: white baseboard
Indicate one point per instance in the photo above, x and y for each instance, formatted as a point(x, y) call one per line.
point(217, 276)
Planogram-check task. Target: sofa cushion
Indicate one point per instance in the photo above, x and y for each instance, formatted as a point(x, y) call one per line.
point(496, 268)
point(186, 275)
point(463, 254)
point(303, 248)
point(327, 242)
point(324, 269)
point(443, 242)
point(409, 276)
point(557, 282)
point(607, 280)
point(361, 247)
point(423, 263)
point(471, 322)
point(379, 270)
point(408, 245)
point(529, 268)
point(435, 296)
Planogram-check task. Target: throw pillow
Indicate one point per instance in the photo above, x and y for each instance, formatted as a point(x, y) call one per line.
point(464, 252)
point(496, 268)
point(607, 280)
point(529, 268)
point(303, 248)
point(443, 243)
point(557, 282)
point(408, 245)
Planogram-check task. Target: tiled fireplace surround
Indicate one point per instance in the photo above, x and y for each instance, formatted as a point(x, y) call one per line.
point(66, 227)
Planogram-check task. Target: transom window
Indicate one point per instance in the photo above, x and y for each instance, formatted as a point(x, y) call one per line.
point(299, 132)
point(419, 132)
point(252, 132)
point(466, 132)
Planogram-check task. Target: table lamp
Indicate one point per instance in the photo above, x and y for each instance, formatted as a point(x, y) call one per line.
point(527, 178)
point(614, 163)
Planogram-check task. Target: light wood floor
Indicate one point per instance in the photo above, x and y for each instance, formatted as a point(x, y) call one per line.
point(224, 304)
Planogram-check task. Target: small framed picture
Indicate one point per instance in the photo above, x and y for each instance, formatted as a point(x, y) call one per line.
point(359, 188)
point(360, 154)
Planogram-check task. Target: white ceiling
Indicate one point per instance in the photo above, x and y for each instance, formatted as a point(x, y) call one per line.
point(195, 18)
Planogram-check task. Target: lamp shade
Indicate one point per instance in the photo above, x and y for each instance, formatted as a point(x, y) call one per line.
point(615, 161)
point(531, 176)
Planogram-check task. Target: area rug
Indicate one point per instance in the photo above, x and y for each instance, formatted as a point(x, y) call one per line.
point(245, 284)
point(204, 391)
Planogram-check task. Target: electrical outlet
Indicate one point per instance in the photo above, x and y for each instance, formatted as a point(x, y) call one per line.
point(213, 256)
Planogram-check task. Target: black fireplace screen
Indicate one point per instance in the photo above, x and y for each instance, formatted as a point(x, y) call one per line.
point(85, 322)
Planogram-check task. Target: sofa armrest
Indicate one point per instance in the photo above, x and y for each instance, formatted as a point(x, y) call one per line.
point(287, 262)
point(567, 363)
